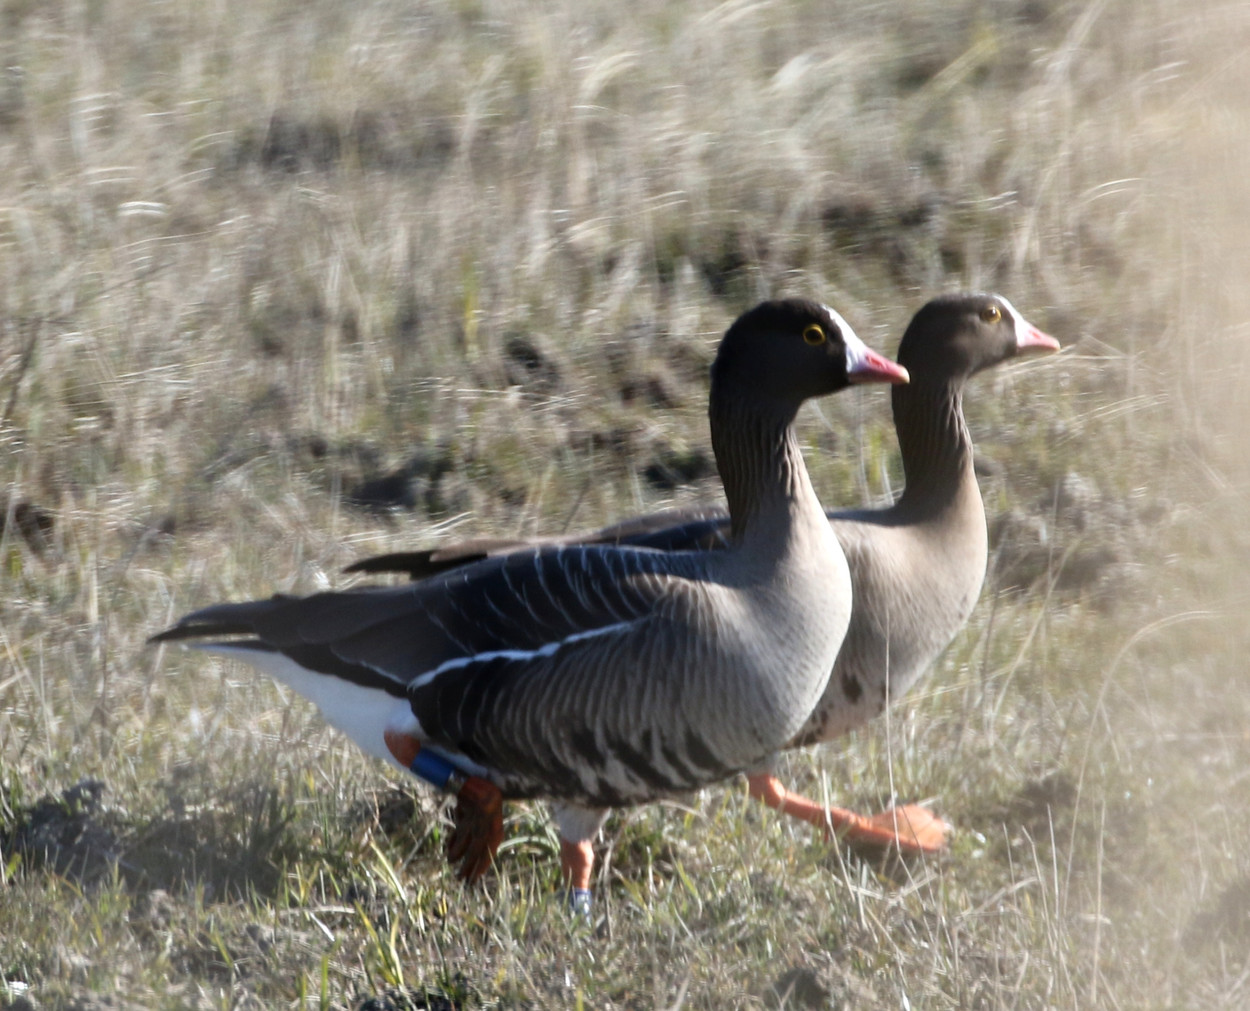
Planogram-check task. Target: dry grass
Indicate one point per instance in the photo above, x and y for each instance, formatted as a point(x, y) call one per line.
point(254, 257)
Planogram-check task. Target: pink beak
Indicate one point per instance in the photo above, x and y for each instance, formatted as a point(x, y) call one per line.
point(1030, 338)
point(864, 365)
point(875, 368)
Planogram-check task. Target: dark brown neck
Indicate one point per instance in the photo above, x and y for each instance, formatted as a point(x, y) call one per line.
point(766, 482)
point(935, 445)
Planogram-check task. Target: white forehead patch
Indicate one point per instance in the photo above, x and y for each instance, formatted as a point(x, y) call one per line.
point(857, 352)
point(836, 316)
point(1017, 321)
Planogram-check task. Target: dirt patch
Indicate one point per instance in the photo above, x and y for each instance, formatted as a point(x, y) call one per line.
point(229, 850)
point(74, 834)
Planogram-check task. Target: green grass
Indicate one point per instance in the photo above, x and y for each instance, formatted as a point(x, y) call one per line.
point(253, 255)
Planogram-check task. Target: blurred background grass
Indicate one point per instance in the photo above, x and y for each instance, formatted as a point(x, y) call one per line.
point(284, 285)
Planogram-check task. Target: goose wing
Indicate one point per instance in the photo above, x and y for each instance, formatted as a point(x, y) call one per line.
point(695, 528)
point(558, 669)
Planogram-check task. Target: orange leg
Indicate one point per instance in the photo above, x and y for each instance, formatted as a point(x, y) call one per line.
point(477, 828)
point(577, 860)
point(910, 829)
point(477, 824)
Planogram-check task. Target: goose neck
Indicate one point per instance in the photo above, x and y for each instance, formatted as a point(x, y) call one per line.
point(767, 487)
point(934, 442)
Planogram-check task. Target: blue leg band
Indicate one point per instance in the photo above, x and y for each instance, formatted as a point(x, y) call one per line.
point(436, 770)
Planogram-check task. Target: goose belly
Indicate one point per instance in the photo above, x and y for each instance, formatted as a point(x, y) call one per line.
point(359, 712)
point(873, 669)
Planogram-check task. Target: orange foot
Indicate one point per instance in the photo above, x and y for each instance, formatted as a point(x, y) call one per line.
point(477, 828)
point(909, 830)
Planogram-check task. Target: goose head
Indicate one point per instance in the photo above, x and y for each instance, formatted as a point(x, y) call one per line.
point(788, 351)
point(956, 336)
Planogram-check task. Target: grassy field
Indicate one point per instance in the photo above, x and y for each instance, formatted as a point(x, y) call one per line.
point(284, 285)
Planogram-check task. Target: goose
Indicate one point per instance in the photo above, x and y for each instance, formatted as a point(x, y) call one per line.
point(597, 676)
point(916, 566)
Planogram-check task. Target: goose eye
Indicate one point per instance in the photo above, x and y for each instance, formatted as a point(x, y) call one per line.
point(991, 314)
point(813, 334)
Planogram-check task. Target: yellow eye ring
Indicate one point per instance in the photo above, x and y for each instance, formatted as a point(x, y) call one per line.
point(814, 334)
point(991, 314)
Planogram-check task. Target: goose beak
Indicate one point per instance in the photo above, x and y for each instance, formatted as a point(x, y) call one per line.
point(1029, 338)
point(864, 365)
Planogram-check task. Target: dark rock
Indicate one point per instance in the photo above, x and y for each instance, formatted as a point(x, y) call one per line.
point(527, 366)
point(29, 521)
point(800, 988)
point(417, 484)
point(292, 144)
point(396, 490)
point(69, 834)
point(431, 998)
point(390, 140)
point(672, 468)
point(723, 274)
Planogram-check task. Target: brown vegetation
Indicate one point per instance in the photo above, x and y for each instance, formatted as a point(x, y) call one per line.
point(284, 285)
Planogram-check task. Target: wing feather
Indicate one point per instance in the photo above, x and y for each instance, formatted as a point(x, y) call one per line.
point(559, 667)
